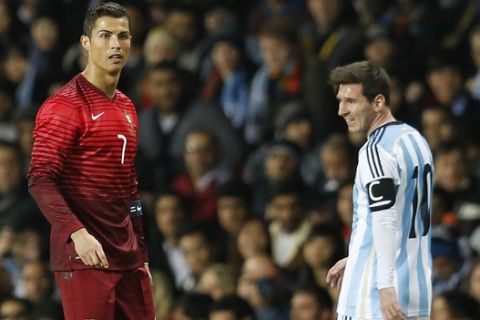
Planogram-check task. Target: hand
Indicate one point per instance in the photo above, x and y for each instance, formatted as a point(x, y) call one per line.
point(89, 250)
point(335, 274)
point(389, 304)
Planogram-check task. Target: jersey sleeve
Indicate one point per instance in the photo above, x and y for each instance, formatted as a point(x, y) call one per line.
point(56, 129)
point(381, 183)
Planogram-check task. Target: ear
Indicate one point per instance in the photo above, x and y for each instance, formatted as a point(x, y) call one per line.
point(85, 42)
point(379, 102)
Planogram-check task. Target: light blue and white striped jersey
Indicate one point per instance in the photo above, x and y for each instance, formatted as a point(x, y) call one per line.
point(394, 152)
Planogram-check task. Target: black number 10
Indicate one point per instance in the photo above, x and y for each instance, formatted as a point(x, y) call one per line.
point(424, 205)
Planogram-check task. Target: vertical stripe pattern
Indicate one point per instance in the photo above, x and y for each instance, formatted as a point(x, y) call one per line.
point(399, 152)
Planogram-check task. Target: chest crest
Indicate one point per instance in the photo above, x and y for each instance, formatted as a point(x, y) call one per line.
point(129, 119)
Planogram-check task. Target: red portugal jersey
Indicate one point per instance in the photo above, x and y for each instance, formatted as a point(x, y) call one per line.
point(82, 174)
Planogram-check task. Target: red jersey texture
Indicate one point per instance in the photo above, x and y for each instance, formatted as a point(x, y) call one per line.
point(82, 174)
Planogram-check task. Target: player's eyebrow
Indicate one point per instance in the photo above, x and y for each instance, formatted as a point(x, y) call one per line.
point(111, 32)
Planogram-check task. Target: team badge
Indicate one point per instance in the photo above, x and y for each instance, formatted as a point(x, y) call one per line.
point(129, 118)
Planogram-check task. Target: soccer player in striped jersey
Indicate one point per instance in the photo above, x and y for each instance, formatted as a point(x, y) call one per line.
point(82, 178)
point(387, 274)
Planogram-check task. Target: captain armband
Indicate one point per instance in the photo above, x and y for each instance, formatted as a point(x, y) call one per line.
point(136, 208)
point(381, 194)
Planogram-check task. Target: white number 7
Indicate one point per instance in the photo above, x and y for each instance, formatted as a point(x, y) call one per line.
point(124, 147)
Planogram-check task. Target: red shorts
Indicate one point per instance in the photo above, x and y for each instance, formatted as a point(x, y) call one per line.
point(104, 295)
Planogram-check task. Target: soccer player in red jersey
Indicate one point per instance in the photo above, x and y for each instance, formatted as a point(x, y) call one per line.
point(82, 178)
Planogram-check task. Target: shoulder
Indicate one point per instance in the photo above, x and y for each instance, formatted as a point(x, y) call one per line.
point(123, 98)
point(65, 99)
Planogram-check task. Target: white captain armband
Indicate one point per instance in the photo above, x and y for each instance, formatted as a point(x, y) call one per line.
point(381, 194)
point(136, 208)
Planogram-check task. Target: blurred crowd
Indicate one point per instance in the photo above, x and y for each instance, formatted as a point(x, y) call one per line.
point(244, 167)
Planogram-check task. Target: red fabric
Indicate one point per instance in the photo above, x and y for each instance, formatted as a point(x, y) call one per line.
point(82, 173)
point(211, 86)
point(97, 294)
point(202, 205)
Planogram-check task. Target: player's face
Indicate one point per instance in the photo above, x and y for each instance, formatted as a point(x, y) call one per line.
point(355, 108)
point(109, 45)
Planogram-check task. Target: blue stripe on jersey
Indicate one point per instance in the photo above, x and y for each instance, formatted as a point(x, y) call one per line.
point(358, 271)
point(405, 144)
point(423, 303)
point(375, 294)
point(403, 272)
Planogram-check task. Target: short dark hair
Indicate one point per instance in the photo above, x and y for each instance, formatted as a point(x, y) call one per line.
point(450, 146)
point(373, 78)
point(321, 295)
point(234, 188)
point(239, 306)
point(108, 9)
point(165, 66)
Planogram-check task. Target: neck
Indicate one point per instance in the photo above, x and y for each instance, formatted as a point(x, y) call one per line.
point(104, 81)
point(381, 119)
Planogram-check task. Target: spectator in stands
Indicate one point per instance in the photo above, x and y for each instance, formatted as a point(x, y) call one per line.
point(473, 84)
point(277, 80)
point(17, 208)
point(289, 227)
point(254, 239)
point(227, 80)
point(192, 306)
point(217, 281)
point(15, 309)
point(446, 88)
point(454, 176)
point(6, 286)
point(345, 209)
point(38, 287)
point(43, 68)
point(159, 46)
point(280, 161)
point(333, 35)
point(321, 250)
point(231, 307)
point(198, 252)
point(338, 161)
point(164, 250)
point(14, 66)
point(449, 265)
point(198, 184)
point(233, 211)
point(181, 22)
point(436, 124)
point(156, 166)
point(311, 303)
point(473, 280)
point(7, 106)
point(454, 305)
point(262, 286)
